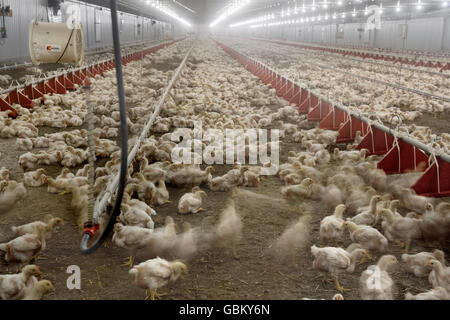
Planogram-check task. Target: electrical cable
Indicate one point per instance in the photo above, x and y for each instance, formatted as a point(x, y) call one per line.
point(67, 45)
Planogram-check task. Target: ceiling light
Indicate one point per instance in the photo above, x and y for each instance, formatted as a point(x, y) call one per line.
point(182, 5)
point(164, 9)
point(229, 10)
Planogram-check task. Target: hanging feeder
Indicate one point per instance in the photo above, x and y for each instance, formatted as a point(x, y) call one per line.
point(55, 43)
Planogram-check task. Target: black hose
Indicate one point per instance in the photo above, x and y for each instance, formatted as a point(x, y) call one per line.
point(67, 45)
point(123, 138)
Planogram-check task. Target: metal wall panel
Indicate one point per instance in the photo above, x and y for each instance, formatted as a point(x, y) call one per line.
point(446, 35)
point(17, 27)
point(425, 34)
point(15, 47)
point(429, 34)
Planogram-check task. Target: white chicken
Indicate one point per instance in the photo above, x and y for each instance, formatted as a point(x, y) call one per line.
point(162, 240)
point(4, 173)
point(439, 275)
point(370, 238)
point(416, 263)
point(336, 261)
point(24, 248)
point(11, 195)
point(298, 191)
point(437, 293)
point(368, 217)
point(156, 273)
point(131, 238)
point(400, 228)
point(38, 228)
point(161, 195)
point(38, 290)
point(135, 216)
point(375, 282)
point(332, 227)
point(434, 224)
point(138, 204)
point(229, 230)
point(13, 286)
point(293, 239)
point(191, 177)
point(191, 202)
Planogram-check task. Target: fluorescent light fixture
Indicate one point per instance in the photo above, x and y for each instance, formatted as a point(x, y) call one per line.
point(266, 17)
point(419, 5)
point(339, 3)
point(354, 12)
point(231, 8)
point(445, 4)
point(158, 5)
point(185, 7)
point(398, 6)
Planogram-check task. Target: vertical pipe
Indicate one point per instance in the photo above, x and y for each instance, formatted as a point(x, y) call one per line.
point(123, 138)
point(123, 110)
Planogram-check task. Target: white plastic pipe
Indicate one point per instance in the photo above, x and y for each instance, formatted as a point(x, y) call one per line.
point(101, 205)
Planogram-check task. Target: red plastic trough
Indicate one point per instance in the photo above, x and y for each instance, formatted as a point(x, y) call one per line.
point(61, 83)
point(335, 119)
point(435, 182)
point(401, 157)
point(364, 55)
point(347, 132)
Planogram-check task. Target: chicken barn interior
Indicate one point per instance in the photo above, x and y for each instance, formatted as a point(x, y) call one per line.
point(225, 149)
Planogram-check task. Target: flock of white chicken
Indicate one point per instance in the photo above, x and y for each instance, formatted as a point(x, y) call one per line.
point(215, 90)
point(378, 102)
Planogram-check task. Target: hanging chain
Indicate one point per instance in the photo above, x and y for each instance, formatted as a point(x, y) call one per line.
point(91, 153)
